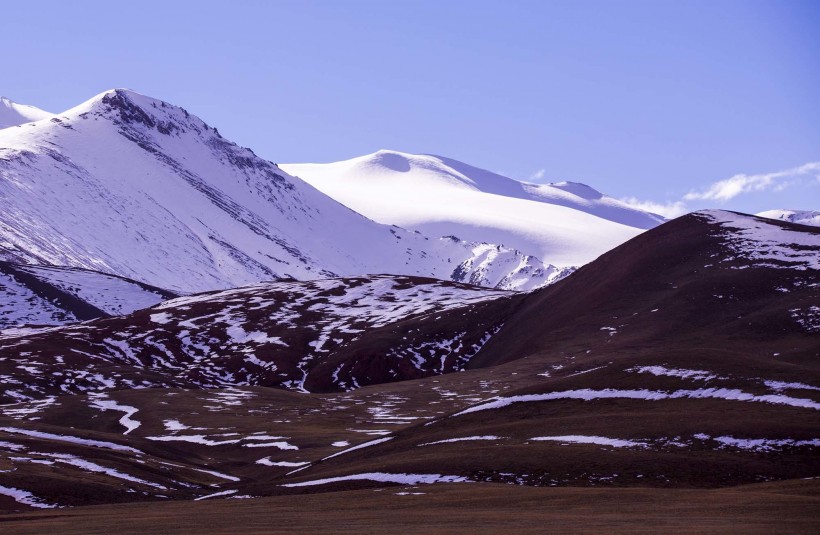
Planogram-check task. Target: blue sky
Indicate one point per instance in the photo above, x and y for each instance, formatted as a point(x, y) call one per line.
point(686, 104)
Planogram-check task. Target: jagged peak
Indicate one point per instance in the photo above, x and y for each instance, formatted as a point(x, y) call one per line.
point(129, 108)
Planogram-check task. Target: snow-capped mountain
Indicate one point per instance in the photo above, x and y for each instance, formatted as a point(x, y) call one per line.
point(14, 114)
point(565, 224)
point(130, 185)
point(803, 217)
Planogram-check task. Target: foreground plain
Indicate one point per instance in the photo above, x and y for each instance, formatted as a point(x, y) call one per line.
point(790, 506)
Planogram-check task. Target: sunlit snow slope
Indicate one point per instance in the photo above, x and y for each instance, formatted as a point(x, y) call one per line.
point(803, 217)
point(565, 223)
point(130, 185)
point(43, 295)
point(13, 114)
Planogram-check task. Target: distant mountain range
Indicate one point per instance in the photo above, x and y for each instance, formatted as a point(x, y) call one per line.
point(132, 186)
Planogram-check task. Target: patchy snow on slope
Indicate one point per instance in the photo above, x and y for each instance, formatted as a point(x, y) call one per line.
point(808, 318)
point(601, 441)
point(765, 244)
point(779, 386)
point(25, 497)
point(758, 444)
point(112, 295)
point(565, 223)
point(661, 371)
point(19, 305)
point(382, 477)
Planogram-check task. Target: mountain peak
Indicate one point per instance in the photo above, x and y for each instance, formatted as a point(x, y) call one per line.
point(129, 109)
point(15, 114)
point(579, 189)
point(389, 159)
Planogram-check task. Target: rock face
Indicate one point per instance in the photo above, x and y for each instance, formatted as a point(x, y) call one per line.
point(132, 186)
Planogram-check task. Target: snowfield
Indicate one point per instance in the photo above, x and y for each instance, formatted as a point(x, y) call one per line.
point(14, 114)
point(802, 217)
point(565, 223)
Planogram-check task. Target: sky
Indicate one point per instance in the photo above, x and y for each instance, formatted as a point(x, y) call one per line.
point(674, 105)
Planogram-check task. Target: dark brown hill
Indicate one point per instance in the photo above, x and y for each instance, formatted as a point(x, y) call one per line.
point(325, 335)
point(686, 358)
point(705, 280)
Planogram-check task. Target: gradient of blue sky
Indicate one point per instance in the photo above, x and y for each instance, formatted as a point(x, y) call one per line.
point(645, 99)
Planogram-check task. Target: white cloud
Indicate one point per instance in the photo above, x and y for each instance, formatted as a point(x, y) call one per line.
point(667, 210)
point(538, 175)
point(727, 189)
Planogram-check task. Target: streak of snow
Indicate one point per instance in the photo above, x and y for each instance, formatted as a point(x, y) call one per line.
point(358, 447)
point(462, 439)
point(100, 401)
point(603, 441)
point(382, 477)
point(71, 439)
point(25, 497)
point(648, 395)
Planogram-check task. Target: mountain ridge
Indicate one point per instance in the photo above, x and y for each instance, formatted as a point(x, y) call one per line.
point(136, 187)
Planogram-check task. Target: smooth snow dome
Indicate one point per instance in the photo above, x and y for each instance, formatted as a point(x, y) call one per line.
point(564, 224)
point(803, 217)
point(13, 114)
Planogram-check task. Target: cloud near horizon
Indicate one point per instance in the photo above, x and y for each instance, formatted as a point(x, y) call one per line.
point(668, 210)
point(538, 175)
point(724, 190)
point(727, 189)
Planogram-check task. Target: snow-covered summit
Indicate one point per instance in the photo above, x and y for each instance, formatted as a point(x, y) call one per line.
point(567, 223)
point(803, 217)
point(133, 186)
point(14, 114)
